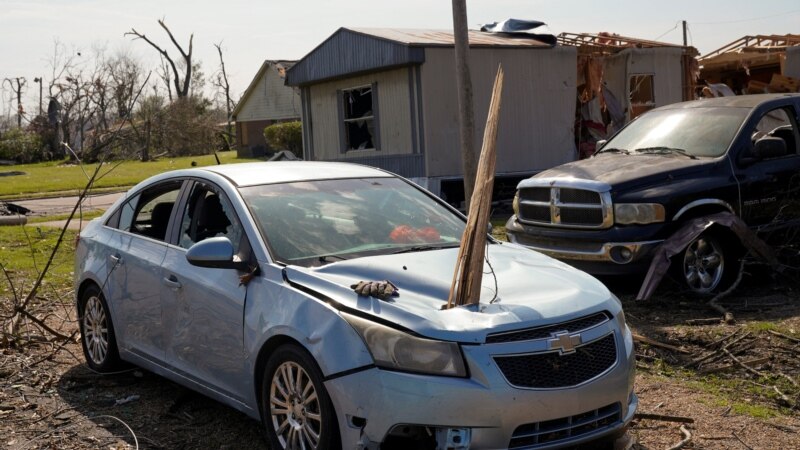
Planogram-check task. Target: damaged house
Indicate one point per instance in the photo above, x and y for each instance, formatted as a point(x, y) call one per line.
point(755, 64)
point(387, 98)
point(621, 77)
point(266, 101)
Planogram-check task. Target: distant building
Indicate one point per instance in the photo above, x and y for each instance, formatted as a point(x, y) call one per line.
point(266, 101)
point(387, 98)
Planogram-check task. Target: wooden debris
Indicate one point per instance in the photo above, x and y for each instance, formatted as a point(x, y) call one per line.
point(654, 343)
point(687, 437)
point(777, 333)
point(709, 321)
point(663, 417)
point(749, 362)
point(466, 285)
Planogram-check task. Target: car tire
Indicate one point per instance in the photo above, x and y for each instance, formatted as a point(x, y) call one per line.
point(295, 404)
point(97, 332)
point(708, 264)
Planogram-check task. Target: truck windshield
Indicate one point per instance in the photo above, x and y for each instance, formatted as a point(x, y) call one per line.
point(312, 223)
point(701, 132)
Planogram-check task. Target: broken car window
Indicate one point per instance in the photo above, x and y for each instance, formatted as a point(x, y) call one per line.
point(317, 222)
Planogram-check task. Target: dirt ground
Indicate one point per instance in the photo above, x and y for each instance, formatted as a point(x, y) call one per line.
point(50, 399)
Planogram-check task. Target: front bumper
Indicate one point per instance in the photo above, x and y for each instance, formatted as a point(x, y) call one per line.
point(486, 403)
point(618, 250)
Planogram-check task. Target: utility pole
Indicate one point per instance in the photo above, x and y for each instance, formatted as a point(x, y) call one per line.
point(466, 116)
point(684, 33)
point(39, 80)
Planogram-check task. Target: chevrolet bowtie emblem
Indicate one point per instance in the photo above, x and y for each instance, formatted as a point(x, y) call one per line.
point(564, 342)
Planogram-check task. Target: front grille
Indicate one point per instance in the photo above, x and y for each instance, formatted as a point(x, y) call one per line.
point(554, 370)
point(535, 213)
point(580, 216)
point(565, 429)
point(565, 206)
point(529, 334)
point(579, 196)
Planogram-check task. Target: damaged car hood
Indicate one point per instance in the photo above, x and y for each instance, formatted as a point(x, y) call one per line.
point(532, 290)
point(615, 169)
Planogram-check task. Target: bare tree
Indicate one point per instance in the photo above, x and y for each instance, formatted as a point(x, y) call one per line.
point(17, 91)
point(181, 87)
point(221, 82)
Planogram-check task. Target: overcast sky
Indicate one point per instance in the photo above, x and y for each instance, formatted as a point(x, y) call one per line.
point(252, 31)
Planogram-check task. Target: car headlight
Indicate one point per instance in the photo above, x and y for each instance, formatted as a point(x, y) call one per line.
point(393, 349)
point(641, 213)
point(515, 204)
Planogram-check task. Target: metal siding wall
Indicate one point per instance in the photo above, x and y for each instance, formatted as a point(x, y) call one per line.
point(346, 52)
point(536, 117)
point(665, 65)
point(271, 100)
point(393, 112)
point(403, 165)
point(791, 66)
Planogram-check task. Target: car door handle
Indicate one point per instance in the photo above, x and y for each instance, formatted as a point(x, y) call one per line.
point(172, 281)
point(116, 259)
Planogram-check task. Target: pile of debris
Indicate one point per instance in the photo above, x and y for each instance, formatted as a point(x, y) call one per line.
point(11, 214)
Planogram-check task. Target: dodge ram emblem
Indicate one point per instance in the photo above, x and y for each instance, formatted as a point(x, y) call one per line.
point(564, 342)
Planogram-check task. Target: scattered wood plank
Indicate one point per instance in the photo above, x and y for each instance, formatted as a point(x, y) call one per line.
point(654, 343)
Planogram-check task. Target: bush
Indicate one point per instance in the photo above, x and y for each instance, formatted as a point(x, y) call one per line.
point(285, 136)
point(21, 146)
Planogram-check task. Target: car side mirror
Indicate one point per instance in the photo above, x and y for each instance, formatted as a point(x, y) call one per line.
point(770, 147)
point(600, 144)
point(216, 253)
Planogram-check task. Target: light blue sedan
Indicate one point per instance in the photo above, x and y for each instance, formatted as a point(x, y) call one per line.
point(235, 281)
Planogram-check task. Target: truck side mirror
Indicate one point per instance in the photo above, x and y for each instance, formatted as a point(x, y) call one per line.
point(770, 147)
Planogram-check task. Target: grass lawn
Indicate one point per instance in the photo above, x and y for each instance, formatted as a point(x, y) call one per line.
point(24, 251)
point(44, 179)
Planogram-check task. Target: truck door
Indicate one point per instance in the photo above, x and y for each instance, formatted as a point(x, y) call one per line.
point(767, 184)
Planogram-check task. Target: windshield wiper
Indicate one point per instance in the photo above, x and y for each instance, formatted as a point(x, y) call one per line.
point(327, 258)
point(663, 150)
point(426, 247)
point(614, 150)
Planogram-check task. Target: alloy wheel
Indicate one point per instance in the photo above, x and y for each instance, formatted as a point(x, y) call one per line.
point(295, 408)
point(95, 330)
point(703, 265)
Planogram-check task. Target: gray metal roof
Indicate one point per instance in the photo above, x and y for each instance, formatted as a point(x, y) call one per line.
point(351, 51)
point(251, 174)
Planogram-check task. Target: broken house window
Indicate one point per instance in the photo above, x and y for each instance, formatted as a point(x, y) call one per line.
point(643, 97)
point(359, 110)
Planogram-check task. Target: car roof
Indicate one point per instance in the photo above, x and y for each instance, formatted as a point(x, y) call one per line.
point(738, 101)
point(255, 173)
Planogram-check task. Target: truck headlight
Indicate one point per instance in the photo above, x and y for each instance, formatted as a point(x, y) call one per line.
point(641, 213)
point(515, 204)
point(393, 349)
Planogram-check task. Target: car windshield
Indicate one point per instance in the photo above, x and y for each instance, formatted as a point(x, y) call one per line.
point(312, 223)
point(693, 132)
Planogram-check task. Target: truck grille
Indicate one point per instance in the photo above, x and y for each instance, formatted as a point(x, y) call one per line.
point(562, 206)
point(529, 334)
point(565, 429)
point(555, 370)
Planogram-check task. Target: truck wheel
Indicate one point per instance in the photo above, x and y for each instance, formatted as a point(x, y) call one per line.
point(707, 264)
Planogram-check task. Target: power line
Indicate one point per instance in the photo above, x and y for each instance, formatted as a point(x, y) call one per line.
point(664, 33)
point(753, 19)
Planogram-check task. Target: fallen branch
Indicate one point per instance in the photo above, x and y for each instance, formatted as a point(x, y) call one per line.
point(663, 417)
point(777, 333)
point(727, 316)
point(712, 320)
point(687, 437)
point(654, 343)
point(741, 364)
point(749, 362)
